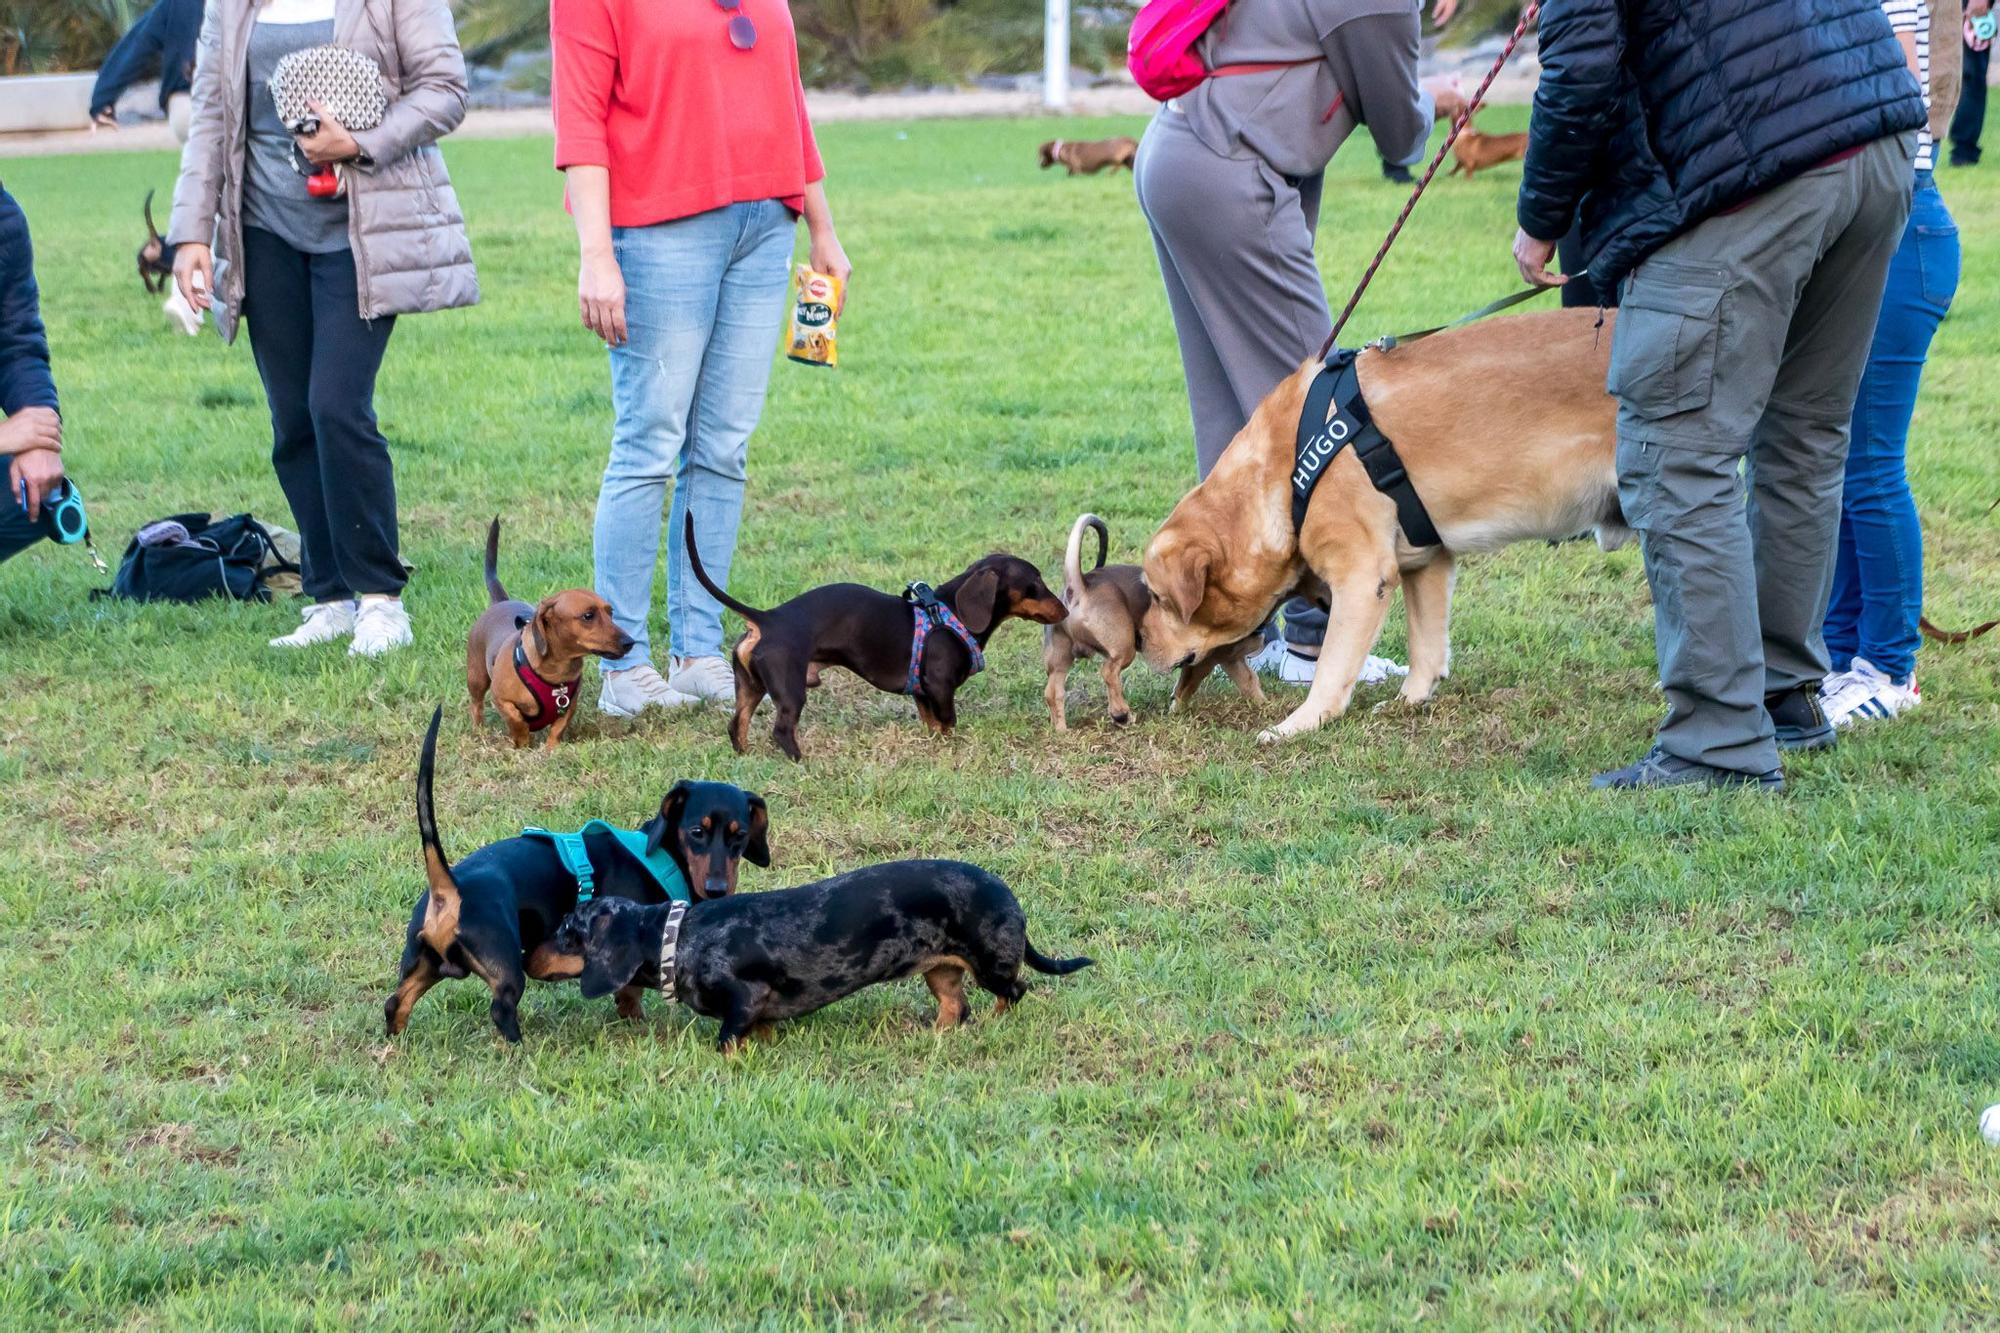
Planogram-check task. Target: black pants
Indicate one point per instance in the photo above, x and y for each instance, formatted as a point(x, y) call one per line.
point(318, 359)
point(1970, 118)
point(16, 533)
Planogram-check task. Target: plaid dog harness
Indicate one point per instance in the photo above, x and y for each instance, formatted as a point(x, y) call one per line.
point(930, 611)
point(554, 700)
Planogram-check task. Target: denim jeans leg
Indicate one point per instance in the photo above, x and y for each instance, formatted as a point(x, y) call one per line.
point(709, 471)
point(672, 272)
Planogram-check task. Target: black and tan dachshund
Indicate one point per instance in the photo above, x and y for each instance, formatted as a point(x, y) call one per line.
point(156, 257)
point(492, 914)
point(753, 960)
point(870, 633)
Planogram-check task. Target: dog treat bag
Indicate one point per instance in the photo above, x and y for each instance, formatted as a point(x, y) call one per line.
point(813, 324)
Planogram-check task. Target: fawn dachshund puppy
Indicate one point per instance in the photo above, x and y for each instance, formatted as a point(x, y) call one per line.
point(1088, 157)
point(1475, 150)
point(874, 635)
point(1106, 606)
point(492, 914)
point(753, 960)
point(1529, 454)
point(530, 658)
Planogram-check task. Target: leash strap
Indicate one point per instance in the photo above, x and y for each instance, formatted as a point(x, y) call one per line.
point(928, 610)
point(1336, 416)
point(1528, 13)
point(670, 948)
point(1389, 342)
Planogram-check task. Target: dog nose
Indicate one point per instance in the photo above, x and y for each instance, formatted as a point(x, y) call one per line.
point(625, 642)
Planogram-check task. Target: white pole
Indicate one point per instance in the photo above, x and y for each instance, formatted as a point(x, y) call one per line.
point(1055, 55)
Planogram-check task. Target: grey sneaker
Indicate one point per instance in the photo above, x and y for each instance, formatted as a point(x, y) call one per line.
point(1660, 769)
point(632, 691)
point(704, 678)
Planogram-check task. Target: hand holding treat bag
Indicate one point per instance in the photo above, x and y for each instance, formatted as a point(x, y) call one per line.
point(331, 83)
point(815, 319)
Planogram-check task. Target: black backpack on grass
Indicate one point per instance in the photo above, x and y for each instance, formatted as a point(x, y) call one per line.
point(219, 557)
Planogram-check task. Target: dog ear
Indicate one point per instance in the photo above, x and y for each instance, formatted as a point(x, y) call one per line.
point(672, 806)
point(759, 850)
point(1183, 581)
point(611, 954)
point(539, 625)
point(975, 600)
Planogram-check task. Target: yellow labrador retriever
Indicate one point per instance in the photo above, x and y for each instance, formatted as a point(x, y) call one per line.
point(1507, 435)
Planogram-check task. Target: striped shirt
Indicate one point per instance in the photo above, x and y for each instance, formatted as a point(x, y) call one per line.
point(1913, 16)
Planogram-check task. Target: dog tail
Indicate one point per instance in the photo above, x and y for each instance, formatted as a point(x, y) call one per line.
point(152, 232)
point(1055, 967)
point(749, 613)
point(494, 592)
point(1073, 555)
point(440, 928)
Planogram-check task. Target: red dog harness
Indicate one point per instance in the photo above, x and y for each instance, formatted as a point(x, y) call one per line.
point(554, 700)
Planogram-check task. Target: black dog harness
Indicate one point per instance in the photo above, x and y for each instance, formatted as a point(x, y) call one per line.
point(930, 611)
point(1336, 417)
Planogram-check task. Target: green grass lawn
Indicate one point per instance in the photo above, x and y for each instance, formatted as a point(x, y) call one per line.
point(1399, 1020)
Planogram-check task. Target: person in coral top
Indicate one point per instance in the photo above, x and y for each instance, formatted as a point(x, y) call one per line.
point(681, 130)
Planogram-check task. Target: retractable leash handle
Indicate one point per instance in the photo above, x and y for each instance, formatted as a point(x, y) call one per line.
point(1458, 125)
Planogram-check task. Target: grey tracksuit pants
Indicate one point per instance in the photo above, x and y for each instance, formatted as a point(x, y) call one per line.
point(1235, 244)
point(1741, 342)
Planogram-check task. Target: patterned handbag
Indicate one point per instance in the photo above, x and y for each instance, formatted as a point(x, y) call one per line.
point(346, 83)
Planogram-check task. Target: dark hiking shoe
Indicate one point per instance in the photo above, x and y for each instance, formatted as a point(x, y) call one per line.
point(1660, 769)
point(1397, 175)
point(1800, 722)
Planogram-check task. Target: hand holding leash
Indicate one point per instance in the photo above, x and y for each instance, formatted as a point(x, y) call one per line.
point(1532, 257)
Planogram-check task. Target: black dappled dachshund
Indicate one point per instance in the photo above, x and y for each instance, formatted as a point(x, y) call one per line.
point(870, 633)
point(752, 960)
point(492, 914)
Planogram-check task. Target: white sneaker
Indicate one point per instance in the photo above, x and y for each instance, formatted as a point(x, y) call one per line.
point(381, 625)
point(1277, 659)
point(704, 678)
point(632, 691)
point(1863, 693)
point(322, 622)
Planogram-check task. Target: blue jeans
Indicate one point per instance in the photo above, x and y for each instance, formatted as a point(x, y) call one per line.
point(704, 305)
point(1878, 573)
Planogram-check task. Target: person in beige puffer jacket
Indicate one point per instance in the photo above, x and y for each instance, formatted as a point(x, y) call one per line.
point(320, 281)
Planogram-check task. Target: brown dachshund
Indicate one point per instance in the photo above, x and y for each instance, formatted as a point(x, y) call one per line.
point(874, 635)
point(1106, 605)
point(531, 657)
point(1089, 157)
point(1475, 150)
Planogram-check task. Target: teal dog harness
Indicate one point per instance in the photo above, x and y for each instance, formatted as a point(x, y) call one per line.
point(575, 857)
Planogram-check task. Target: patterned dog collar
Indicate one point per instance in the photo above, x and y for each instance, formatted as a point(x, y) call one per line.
point(670, 944)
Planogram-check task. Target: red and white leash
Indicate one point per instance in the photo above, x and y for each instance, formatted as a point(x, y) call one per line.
point(1464, 118)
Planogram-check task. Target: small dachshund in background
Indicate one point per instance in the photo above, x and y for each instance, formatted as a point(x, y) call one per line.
point(1475, 150)
point(1089, 157)
point(1106, 606)
point(753, 960)
point(156, 257)
point(492, 914)
point(531, 657)
point(872, 634)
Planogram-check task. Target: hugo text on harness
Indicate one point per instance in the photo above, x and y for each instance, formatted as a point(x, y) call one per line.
point(1336, 417)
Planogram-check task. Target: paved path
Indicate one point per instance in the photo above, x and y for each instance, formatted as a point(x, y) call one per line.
point(825, 108)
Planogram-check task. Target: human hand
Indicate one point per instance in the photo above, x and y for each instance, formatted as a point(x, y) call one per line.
point(31, 429)
point(1442, 10)
point(826, 256)
point(600, 295)
point(330, 143)
point(107, 119)
point(194, 274)
point(1976, 8)
point(1448, 95)
point(1532, 258)
point(34, 474)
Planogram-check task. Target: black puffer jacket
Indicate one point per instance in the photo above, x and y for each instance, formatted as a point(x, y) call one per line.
point(1655, 114)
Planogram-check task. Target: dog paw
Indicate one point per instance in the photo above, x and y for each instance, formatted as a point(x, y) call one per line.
point(1270, 736)
point(1121, 719)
